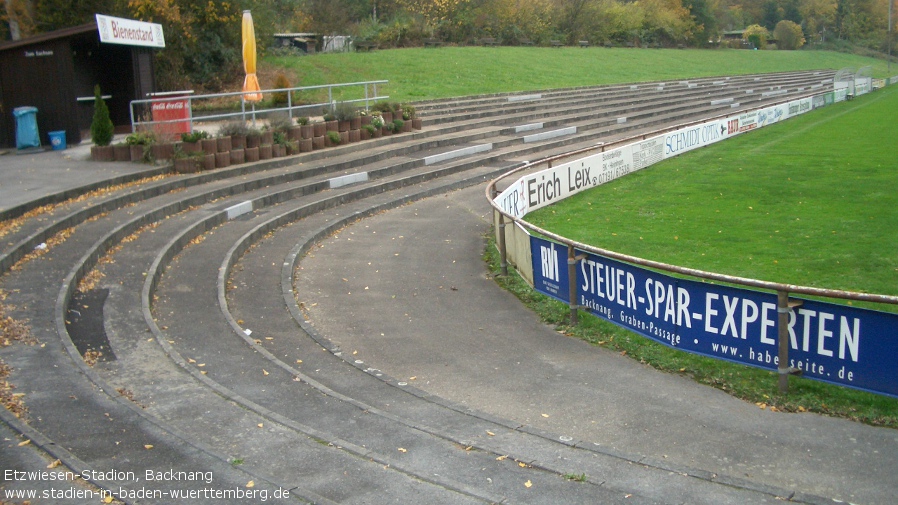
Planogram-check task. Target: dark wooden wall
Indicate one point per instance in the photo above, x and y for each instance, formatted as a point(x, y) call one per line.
point(53, 71)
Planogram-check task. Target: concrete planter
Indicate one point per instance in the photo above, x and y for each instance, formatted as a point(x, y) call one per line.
point(163, 151)
point(102, 153)
point(305, 145)
point(306, 131)
point(208, 162)
point(251, 154)
point(222, 160)
point(136, 153)
point(188, 165)
point(224, 144)
point(191, 147)
point(265, 152)
point(238, 156)
point(121, 152)
point(318, 143)
point(210, 146)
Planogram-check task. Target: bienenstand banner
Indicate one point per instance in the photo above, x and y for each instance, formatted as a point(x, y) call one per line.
point(828, 342)
point(129, 32)
point(548, 186)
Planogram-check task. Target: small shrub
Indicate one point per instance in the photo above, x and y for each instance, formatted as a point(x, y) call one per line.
point(279, 122)
point(408, 112)
point(279, 137)
point(370, 128)
point(101, 128)
point(397, 125)
point(345, 111)
point(383, 106)
point(194, 136)
point(143, 138)
point(233, 128)
point(377, 120)
point(302, 121)
point(334, 137)
point(280, 97)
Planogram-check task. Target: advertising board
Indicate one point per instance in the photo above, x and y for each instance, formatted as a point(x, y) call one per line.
point(828, 342)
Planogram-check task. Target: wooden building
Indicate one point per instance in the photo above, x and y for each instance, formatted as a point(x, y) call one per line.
point(57, 71)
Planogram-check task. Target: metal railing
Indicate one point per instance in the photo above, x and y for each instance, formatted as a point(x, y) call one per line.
point(142, 117)
point(783, 291)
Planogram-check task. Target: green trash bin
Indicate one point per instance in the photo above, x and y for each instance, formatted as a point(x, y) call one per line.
point(26, 127)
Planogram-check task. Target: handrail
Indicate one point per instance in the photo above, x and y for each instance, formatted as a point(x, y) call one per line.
point(491, 191)
point(370, 95)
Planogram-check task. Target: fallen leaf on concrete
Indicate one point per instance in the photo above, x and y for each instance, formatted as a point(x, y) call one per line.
point(528, 484)
point(402, 450)
point(250, 484)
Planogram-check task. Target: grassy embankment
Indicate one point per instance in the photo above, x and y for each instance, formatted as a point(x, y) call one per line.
point(419, 74)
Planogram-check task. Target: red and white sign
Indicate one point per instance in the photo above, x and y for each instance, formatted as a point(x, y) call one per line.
point(129, 32)
point(172, 117)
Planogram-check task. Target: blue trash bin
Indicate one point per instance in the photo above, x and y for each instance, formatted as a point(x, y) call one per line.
point(26, 127)
point(57, 140)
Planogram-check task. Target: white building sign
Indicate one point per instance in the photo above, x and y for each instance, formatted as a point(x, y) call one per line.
point(129, 32)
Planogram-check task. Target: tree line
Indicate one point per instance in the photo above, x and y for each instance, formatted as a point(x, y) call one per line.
point(203, 38)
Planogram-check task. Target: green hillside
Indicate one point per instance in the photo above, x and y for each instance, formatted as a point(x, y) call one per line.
point(419, 73)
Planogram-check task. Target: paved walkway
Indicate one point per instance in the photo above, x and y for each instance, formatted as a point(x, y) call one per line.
point(30, 176)
point(416, 303)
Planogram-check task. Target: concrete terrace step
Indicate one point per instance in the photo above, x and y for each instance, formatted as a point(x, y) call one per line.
point(213, 254)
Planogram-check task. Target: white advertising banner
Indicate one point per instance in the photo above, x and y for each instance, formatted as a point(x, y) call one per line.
point(546, 187)
point(129, 32)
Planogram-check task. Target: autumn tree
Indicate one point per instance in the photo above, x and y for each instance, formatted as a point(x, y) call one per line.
point(513, 20)
point(788, 35)
point(432, 12)
point(667, 21)
point(706, 26)
point(57, 14)
point(818, 17)
point(757, 35)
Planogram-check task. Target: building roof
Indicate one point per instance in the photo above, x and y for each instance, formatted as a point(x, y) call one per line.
point(48, 36)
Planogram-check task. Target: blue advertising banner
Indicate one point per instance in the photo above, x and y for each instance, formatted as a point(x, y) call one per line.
point(828, 342)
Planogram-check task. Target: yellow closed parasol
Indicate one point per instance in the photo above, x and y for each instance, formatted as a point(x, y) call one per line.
point(251, 83)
